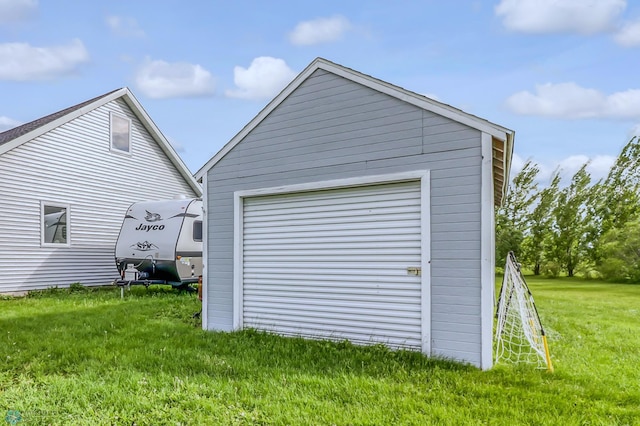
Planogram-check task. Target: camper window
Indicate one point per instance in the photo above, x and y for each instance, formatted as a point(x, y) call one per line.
point(120, 133)
point(197, 230)
point(54, 227)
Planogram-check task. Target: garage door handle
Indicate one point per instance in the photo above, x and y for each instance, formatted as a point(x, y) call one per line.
point(414, 270)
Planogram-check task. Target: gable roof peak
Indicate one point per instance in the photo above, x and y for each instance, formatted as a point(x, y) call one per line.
point(15, 137)
point(424, 102)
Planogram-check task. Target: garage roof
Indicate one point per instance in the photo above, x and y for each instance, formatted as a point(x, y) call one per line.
point(502, 138)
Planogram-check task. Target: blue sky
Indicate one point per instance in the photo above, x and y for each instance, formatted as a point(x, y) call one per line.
point(562, 73)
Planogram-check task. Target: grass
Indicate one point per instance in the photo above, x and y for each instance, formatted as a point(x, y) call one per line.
point(87, 357)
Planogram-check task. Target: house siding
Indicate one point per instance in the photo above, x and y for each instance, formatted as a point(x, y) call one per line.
point(73, 165)
point(332, 128)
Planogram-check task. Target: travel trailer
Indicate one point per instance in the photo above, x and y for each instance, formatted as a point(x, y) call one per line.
point(160, 242)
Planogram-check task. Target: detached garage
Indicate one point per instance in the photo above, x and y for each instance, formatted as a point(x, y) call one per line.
point(353, 209)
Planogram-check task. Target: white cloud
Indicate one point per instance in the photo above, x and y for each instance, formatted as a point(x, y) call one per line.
point(23, 62)
point(321, 30)
point(629, 34)
point(634, 131)
point(159, 79)
point(7, 123)
point(124, 26)
point(598, 167)
point(517, 163)
point(552, 16)
point(568, 100)
point(265, 78)
point(176, 145)
point(17, 10)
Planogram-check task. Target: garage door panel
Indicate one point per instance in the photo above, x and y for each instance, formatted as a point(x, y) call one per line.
point(400, 213)
point(354, 334)
point(353, 280)
point(344, 236)
point(336, 293)
point(398, 249)
point(336, 320)
point(364, 286)
point(334, 263)
point(333, 198)
point(335, 257)
point(355, 226)
point(389, 309)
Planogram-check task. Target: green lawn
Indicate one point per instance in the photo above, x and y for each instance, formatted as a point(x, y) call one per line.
point(88, 357)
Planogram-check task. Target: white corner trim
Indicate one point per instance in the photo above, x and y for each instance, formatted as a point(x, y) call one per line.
point(238, 260)
point(487, 256)
point(205, 259)
point(425, 294)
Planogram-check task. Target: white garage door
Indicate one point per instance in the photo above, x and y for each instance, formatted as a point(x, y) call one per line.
point(337, 264)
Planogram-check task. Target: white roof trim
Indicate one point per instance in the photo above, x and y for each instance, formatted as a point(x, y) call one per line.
point(423, 102)
point(136, 108)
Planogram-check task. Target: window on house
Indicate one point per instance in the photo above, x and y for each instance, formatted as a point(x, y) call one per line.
point(197, 230)
point(55, 224)
point(120, 133)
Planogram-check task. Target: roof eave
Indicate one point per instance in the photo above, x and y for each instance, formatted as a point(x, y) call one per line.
point(60, 121)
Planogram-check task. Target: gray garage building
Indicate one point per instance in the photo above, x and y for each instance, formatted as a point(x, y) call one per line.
point(350, 208)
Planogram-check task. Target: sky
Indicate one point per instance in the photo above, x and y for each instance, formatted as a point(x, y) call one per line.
point(563, 74)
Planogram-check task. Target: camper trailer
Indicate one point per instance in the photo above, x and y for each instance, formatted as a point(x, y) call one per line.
point(160, 242)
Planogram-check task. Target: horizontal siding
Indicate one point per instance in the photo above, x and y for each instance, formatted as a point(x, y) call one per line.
point(73, 165)
point(330, 128)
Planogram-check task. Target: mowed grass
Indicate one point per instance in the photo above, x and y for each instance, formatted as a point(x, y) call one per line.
point(91, 358)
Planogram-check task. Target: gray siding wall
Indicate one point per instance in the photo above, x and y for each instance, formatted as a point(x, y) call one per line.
point(72, 164)
point(332, 128)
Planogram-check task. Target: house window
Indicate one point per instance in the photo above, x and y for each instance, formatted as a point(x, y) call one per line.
point(197, 230)
point(54, 224)
point(120, 133)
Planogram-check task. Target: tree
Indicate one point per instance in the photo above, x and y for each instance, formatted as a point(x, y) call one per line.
point(621, 189)
point(512, 217)
point(567, 243)
point(540, 221)
point(620, 249)
point(616, 200)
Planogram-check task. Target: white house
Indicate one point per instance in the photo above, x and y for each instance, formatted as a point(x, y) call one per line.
point(66, 181)
point(350, 208)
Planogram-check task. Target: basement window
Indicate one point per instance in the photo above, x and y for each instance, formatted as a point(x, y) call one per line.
point(120, 133)
point(54, 225)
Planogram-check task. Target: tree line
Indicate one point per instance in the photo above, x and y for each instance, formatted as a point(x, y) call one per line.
point(578, 227)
